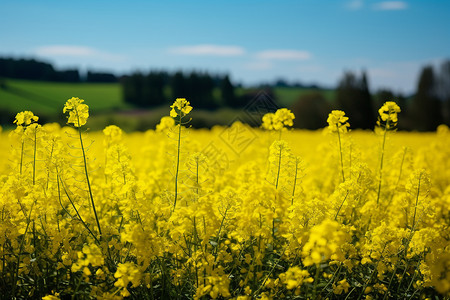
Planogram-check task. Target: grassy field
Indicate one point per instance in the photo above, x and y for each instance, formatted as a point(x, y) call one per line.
point(49, 97)
point(46, 99)
point(287, 96)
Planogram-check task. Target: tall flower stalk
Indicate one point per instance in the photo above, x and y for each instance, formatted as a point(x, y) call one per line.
point(388, 121)
point(180, 108)
point(78, 114)
point(23, 120)
point(337, 123)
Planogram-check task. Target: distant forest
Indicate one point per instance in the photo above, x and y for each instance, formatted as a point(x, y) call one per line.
point(31, 69)
point(428, 107)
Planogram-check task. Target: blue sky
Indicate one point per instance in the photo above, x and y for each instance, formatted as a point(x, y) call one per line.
point(312, 41)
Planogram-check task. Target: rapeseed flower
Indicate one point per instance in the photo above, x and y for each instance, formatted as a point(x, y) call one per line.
point(181, 107)
point(78, 111)
point(337, 121)
point(388, 115)
point(250, 229)
point(25, 118)
point(279, 120)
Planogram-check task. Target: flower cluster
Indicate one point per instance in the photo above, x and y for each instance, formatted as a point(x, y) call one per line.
point(309, 216)
point(388, 115)
point(337, 121)
point(165, 124)
point(78, 111)
point(25, 118)
point(180, 108)
point(279, 120)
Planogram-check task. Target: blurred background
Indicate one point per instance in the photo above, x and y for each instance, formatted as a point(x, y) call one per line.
point(129, 60)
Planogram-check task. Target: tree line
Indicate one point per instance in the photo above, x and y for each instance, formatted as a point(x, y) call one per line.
point(160, 88)
point(423, 111)
point(426, 109)
point(31, 69)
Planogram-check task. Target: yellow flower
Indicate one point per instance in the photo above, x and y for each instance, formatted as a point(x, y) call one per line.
point(78, 111)
point(389, 111)
point(126, 273)
point(337, 121)
point(55, 296)
point(295, 277)
point(278, 120)
point(342, 286)
point(284, 117)
point(181, 107)
point(267, 121)
point(25, 118)
point(388, 115)
point(165, 124)
point(325, 242)
point(113, 133)
point(90, 255)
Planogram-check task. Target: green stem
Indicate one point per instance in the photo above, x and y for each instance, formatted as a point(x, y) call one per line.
point(196, 180)
point(88, 182)
point(340, 152)
point(368, 281)
point(335, 275)
point(34, 156)
point(16, 273)
point(276, 187)
point(401, 166)
point(381, 163)
point(178, 164)
point(413, 278)
point(337, 213)
point(78, 214)
point(316, 279)
point(21, 156)
point(417, 201)
point(279, 168)
point(48, 170)
point(295, 181)
point(218, 235)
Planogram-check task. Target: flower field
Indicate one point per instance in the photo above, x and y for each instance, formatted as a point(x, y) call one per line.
point(228, 213)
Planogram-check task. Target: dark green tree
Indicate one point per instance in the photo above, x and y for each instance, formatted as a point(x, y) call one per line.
point(381, 97)
point(179, 85)
point(425, 110)
point(153, 90)
point(206, 87)
point(311, 111)
point(443, 90)
point(227, 93)
point(132, 89)
point(353, 97)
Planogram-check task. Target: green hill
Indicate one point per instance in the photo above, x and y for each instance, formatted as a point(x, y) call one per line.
point(49, 97)
point(289, 95)
point(46, 99)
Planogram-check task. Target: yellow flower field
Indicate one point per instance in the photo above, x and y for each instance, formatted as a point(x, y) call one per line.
point(228, 213)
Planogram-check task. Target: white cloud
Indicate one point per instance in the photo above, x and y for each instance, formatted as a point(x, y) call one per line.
point(206, 49)
point(391, 5)
point(283, 55)
point(65, 50)
point(355, 4)
point(76, 51)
